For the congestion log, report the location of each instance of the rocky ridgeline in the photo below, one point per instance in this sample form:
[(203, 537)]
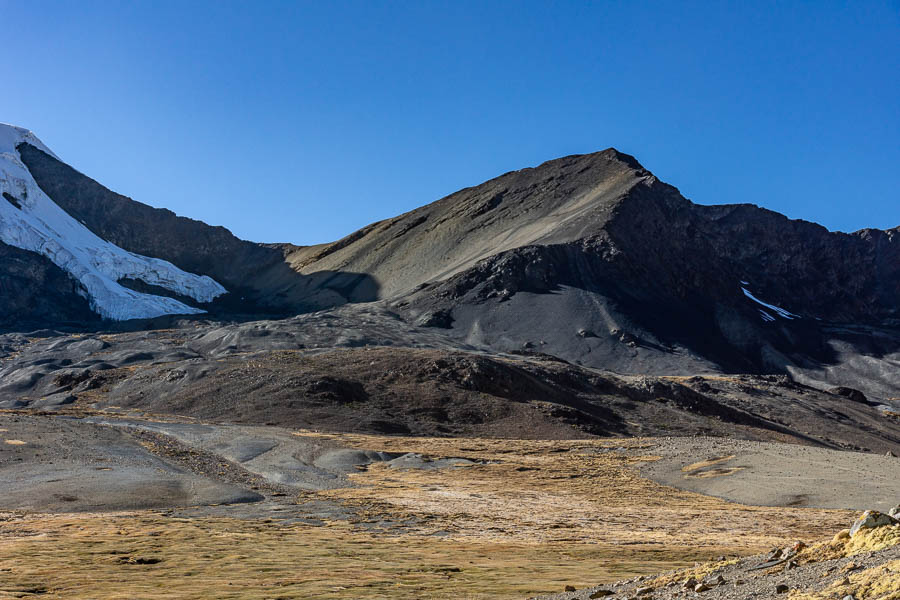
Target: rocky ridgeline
[(861, 562), (589, 258)]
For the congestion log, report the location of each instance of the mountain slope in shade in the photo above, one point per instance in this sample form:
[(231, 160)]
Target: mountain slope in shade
[(32, 221)]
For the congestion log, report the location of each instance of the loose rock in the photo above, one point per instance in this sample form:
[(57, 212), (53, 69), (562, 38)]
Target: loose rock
[(870, 520)]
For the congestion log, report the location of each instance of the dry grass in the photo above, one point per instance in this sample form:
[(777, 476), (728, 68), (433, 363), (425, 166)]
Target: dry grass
[(538, 515), (697, 573), (877, 583), (845, 546), (103, 556), (707, 463), (565, 491)]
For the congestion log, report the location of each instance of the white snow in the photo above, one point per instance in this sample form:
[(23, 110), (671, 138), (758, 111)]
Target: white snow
[(776, 309), (11, 136), (43, 227)]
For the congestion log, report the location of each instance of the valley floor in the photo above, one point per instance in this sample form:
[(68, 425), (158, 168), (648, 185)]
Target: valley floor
[(366, 516)]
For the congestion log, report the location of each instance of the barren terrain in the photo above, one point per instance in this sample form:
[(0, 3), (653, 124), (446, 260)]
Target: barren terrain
[(351, 515)]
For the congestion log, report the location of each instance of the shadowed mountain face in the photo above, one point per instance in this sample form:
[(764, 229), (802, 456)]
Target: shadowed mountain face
[(589, 258)]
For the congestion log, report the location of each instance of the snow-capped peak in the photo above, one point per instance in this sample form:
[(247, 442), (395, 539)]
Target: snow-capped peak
[(30, 220), (11, 136)]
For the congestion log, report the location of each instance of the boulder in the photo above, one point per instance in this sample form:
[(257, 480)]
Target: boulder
[(871, 519)]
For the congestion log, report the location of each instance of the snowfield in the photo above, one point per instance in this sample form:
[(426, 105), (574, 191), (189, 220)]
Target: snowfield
[(43, 227)]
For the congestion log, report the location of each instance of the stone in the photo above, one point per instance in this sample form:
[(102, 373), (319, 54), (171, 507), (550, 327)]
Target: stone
[(870, 520), (601, 594), (850, 394), (569, 588), (781, 588), (895, 512), (441, 319), (701, 587), (644, 591)]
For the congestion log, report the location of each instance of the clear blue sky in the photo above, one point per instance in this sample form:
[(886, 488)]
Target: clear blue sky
[(301, 122)]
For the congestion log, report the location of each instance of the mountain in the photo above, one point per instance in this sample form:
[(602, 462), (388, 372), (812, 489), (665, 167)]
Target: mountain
[(593, 259), (30, 220), (588, 258)]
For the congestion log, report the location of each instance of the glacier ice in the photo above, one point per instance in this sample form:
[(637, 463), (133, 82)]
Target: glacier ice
[(41, 226)]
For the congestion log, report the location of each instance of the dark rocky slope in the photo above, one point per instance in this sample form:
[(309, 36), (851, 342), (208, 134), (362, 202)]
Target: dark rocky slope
[(34, 292), (361, 369)]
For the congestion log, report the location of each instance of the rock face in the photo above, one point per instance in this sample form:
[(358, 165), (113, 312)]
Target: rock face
[(35, 292)]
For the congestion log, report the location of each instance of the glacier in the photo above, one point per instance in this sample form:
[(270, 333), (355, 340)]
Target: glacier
[(39, 225)]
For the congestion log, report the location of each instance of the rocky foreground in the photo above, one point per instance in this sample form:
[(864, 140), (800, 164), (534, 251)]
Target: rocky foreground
[(859, 563)]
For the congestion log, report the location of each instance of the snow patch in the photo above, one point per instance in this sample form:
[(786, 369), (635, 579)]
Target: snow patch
[(41, 226), (776, 309)]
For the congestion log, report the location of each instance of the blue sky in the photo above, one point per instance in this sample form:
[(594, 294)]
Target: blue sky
[(301, 122)]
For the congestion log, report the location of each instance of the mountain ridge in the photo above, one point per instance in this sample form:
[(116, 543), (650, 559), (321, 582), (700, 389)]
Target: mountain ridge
[(588, 257)]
